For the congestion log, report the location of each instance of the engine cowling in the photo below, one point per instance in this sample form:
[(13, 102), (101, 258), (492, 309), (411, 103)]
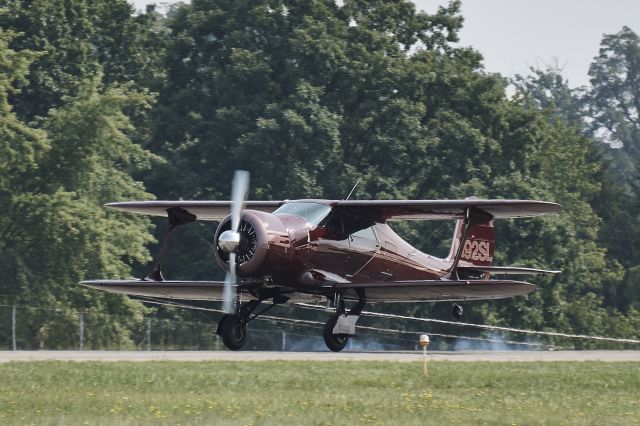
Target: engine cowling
[(263, 239)]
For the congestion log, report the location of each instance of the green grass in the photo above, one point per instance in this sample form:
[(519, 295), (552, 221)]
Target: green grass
[(279, 392)]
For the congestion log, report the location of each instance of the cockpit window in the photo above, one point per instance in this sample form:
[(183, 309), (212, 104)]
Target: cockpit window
[(366, 234), (314, 213), (343, 224)]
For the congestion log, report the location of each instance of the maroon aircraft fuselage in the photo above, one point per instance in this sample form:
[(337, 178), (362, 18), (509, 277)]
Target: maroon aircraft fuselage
[(338, 248)]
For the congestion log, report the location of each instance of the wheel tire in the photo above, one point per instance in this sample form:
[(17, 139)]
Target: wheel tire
[(458, 311), (221, 324), (335, 342), (234, 332)]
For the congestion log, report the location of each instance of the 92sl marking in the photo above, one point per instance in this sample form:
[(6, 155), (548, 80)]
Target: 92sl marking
[(477, 250)]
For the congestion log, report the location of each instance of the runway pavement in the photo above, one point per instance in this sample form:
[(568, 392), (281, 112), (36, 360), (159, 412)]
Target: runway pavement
[(111, 356)]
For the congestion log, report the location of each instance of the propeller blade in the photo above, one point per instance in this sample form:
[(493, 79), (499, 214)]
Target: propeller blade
[(228, 294), (239, 191)]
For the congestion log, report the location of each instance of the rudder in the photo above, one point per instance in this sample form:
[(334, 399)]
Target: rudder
[(478, 246)]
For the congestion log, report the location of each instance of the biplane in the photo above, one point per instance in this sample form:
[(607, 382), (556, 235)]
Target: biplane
[(339, 251)]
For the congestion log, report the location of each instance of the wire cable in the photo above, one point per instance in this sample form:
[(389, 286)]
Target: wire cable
[(487, 327)]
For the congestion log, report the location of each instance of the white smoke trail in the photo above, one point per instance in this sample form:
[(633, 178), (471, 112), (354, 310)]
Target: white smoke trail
[(317, 324), (320, 325), (487, 327)]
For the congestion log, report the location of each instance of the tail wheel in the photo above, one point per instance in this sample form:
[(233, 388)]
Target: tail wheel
[(335, 342), (233, 332), (457, 311)]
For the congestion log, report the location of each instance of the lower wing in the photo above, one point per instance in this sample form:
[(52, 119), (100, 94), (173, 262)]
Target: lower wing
[(183, 290), (506, 270), (434, 290), (387, 291), (212, 291)]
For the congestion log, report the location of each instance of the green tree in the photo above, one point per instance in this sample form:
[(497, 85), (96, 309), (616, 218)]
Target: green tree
[(78, 39), (548, 90), (311, 96), (299, 79), (614, 100), (614, 107), (55, 232), (605, 112)]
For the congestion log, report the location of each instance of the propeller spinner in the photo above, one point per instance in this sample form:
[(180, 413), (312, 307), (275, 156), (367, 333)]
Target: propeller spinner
[(229, 241)]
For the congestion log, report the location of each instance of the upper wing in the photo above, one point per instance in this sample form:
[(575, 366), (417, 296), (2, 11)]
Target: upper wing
[(434, 290), (378, 210), (203, 210), (381, 210)]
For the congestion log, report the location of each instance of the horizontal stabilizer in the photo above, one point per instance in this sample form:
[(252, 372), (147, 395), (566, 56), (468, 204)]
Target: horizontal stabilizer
[(506, 270)]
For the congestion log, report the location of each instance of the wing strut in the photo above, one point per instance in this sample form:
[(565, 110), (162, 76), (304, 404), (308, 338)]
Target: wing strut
[(177, 216), (472, 216)]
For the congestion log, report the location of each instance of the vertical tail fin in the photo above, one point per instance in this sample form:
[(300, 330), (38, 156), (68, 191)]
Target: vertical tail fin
[(478, 245)]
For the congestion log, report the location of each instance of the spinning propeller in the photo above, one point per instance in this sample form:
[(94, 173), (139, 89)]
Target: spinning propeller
[(229, 240)]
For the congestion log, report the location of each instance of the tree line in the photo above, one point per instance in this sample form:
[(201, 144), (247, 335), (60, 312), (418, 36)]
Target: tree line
[(100, 103)]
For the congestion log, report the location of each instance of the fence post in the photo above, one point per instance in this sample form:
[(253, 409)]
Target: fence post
[(284, 340), (148, 334), (13, 328), (81, 330)]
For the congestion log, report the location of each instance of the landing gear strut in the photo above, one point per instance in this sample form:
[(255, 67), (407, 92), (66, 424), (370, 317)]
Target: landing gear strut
[(335, 342), (334, 333), (233, 327), (233, 331), (457, 311)]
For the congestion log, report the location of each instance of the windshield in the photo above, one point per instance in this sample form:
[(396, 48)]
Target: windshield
[(314, 213)]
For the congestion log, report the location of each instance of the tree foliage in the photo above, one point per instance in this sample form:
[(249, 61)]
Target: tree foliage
[(614, 98), (309, 96), (548, 90), (53, 181), (605, 112), (76, 40)]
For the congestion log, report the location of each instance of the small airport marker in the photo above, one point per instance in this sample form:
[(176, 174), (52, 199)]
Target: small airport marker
[(424, 342)]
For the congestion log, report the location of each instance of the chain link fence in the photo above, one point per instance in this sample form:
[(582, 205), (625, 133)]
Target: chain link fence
[(31, 328), (37, 328)]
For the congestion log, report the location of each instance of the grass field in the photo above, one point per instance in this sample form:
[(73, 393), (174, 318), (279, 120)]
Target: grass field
[(279, 392)]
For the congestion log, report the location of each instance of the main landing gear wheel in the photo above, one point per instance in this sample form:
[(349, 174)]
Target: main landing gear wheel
[(457, 311), (335, 342), (233, 332)]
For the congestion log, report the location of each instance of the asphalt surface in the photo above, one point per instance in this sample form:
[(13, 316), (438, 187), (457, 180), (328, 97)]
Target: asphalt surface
[(112, 356)]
